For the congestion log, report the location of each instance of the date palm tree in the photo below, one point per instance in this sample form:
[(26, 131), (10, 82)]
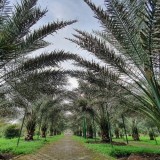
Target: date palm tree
[(18, 40), (25, 78), (129, 48), (100, 99)]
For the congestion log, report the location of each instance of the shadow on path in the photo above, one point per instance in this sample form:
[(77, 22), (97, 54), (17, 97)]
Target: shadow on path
[(64, 149)]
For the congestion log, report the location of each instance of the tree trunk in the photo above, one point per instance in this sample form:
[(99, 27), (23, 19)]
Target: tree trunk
[(117, 132), (51, 131), (99, 133), (30, 134), (135, 134), (105, 131), (44, 130), (55, 132), (80, 133), (43, 134), (30, 126), (105, 136), (151, 135), (90, 131)]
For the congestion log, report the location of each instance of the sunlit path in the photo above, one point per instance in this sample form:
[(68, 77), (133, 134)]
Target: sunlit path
[(65, 149)]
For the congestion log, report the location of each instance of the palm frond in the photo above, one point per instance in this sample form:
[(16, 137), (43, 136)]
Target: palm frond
[(115, 25), (95, 67), (33, 40), (45, 60), (5, 11), (98, 48)]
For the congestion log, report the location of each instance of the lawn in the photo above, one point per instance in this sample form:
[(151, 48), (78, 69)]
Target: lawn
[(9, 145), (143, 146)]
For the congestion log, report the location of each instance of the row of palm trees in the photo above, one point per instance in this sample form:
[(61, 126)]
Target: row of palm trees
[(27, 83), (129, 51), (128, 48)]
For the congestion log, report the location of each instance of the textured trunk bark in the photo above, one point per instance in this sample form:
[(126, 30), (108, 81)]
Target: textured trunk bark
[(105, 136), (30, 126), (29, 136), (135, 137), (105, 131)]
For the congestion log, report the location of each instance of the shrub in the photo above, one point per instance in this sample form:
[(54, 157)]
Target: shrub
[(12, 131)]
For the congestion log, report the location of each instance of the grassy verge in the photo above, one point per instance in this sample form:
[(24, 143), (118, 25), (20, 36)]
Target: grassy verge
[(9, 145), (116, 151)]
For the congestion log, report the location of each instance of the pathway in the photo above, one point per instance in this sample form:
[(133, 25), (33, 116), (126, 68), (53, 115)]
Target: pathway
[(64, 149)]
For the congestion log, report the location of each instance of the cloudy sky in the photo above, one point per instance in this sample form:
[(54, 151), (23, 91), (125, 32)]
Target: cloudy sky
[(67, 10)]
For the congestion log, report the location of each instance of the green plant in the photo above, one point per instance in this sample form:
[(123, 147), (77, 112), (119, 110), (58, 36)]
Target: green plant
[(9, 145), (129, 47), (12, 131), (27, 79), (138, 147)]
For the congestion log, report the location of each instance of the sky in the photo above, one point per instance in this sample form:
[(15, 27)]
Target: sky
[(67, 10)]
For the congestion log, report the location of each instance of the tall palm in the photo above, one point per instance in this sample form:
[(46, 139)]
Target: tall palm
[(18, 40), (101, 99), (37, 114), (27, 78), (129, 46)]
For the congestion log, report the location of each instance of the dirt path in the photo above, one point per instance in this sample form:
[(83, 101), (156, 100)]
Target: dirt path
[(65, 149)]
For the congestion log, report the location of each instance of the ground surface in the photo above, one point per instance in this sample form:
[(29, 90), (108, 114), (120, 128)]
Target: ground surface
[(64, 149)]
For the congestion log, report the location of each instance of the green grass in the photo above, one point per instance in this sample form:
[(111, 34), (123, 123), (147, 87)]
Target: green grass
[(9, 145), (144, 146)]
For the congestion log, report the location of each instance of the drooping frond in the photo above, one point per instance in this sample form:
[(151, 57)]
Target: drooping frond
[(41, 83), (30, 13), (122, 25), (45, 60), (34, 40), (98, 48), (17, 39), (95, 67), (5, 11)]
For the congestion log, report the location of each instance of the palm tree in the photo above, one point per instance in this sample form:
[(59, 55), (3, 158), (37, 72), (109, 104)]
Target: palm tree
[(18, 40), (129, 48), (100, 99), (50, 115), (38, 114), (25, 78)]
